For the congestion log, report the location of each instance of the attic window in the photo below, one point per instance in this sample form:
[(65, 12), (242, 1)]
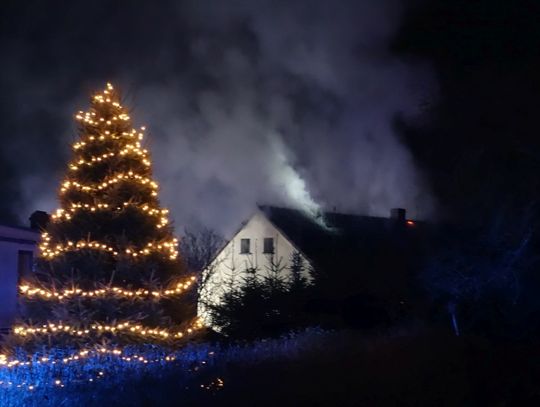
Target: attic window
[(244, 246), (268, 245)]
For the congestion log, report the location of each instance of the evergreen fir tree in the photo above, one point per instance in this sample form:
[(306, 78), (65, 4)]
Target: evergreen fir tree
[(109, 269)]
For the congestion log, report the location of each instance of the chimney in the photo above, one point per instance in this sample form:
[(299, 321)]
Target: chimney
[(39, 220), (397, 214)]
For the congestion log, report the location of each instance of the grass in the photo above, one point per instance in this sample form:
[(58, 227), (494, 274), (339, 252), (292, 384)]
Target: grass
[(65, 377), (313, 367)]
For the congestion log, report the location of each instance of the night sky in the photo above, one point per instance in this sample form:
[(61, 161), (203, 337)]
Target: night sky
[(359, 106)]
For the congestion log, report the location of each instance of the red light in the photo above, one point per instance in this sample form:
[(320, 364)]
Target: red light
[(410, 223)]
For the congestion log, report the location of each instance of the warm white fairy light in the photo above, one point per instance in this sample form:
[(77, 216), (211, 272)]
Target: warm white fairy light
[(49, 250), (127, 327), (79, 357), (84, 354), (68, 213), (33, 292), (128, 149), (121, 177), (106, 137)]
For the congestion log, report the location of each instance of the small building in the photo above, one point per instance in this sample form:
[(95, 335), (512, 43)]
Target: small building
[(357, 256), (18, 246)]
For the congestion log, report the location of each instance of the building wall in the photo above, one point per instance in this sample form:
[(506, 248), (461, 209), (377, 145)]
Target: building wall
[(230, 267), (12, 241)]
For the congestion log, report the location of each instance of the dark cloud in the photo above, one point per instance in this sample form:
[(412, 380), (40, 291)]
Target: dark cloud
[(480, 146), (245, 101)]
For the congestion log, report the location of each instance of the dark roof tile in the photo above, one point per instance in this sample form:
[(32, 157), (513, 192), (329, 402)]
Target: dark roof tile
[(336, 238)]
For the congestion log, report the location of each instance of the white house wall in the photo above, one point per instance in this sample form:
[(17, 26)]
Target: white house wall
[(12, 240), (228, 270)]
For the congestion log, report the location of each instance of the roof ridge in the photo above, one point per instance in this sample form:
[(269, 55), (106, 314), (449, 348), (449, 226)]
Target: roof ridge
[(323, 213)]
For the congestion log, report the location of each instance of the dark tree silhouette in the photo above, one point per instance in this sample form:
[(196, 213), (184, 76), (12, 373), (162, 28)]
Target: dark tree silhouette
[(198, 247), (477, 278), (268, 302)]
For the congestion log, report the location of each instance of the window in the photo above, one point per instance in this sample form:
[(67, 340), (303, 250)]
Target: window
[(244, 246), (24, 264), (268, 245)]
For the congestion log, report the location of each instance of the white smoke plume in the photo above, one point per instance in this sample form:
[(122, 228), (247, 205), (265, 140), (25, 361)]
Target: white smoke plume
[(280, 102), (301, 114)]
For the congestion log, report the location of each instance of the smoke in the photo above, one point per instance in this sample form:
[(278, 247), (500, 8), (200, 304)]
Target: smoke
[(284, 178), (287, 103), (300, 115)]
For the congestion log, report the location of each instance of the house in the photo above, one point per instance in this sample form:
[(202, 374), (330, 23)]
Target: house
[(357, 257), (18, 247)]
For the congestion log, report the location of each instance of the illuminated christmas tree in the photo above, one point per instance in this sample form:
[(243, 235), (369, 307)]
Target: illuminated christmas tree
[(109, 269)]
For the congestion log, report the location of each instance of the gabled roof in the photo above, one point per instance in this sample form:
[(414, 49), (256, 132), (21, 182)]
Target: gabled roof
[(336, 238), (354, 253), (17, 234)]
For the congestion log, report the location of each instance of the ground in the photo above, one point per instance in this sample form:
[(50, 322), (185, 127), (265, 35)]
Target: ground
[(314, 367)]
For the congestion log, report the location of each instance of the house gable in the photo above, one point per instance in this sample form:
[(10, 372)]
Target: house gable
[(230, 267), (353, 254)]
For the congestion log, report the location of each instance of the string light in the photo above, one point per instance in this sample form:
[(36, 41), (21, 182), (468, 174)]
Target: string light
[(85, 354), (108, 135), (129, 176), (82, 356), (75, 207), (216, 384), (128, 149), (33, 292), (129, 357), (53, 251), (126, 327)]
